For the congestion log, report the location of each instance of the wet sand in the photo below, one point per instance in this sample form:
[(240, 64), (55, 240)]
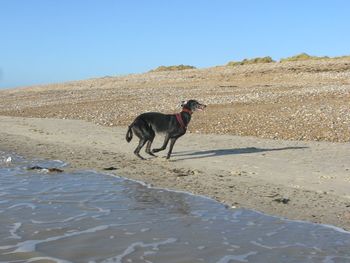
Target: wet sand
[(95, 217), (293, 179)]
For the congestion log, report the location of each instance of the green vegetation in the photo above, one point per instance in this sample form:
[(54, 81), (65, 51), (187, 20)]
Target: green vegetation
[(301, 57), (258, 60), (173, 68), (251, 61), (347, 57)]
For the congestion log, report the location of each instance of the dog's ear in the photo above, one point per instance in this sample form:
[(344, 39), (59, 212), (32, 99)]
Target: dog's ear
[(183, 103)]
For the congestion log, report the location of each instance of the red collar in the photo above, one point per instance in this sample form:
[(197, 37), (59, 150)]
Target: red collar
[(187, 110), (180, 120)]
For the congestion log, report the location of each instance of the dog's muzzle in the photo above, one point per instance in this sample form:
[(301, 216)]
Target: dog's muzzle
[(201, 106)]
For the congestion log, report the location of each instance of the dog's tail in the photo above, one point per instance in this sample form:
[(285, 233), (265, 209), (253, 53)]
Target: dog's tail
[(128, 136)]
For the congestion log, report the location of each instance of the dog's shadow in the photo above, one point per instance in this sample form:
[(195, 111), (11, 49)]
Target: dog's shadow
[(220, 152)]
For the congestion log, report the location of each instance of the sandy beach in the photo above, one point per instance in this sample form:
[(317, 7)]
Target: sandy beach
[(293, 179), (274, 137)]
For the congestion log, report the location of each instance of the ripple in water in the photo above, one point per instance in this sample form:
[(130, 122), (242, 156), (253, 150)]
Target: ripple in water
[(92, 217)]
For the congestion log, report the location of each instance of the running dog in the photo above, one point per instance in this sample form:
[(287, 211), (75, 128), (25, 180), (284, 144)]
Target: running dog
[(146, 125)]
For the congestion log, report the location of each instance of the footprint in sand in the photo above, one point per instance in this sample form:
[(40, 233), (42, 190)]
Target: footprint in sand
[(239, 173), (184, 172), (327, 177)]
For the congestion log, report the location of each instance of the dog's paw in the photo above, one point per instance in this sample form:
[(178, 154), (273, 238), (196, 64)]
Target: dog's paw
[(150, 153), (139, 156)]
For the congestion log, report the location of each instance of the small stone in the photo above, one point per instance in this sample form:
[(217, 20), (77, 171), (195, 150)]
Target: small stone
[(282, 200)]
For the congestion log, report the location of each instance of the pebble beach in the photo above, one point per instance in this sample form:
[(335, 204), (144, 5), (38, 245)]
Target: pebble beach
[(300, 100)]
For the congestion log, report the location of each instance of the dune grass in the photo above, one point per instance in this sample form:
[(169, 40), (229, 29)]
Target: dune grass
[(172, 68), (251, 61), (341, 57), (257, 60), (268, 59), (302, 57)]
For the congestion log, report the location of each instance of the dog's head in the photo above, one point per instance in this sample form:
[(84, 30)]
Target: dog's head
[(192, 105)]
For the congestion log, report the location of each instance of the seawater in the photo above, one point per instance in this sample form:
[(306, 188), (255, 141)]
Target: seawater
[(85, 216)]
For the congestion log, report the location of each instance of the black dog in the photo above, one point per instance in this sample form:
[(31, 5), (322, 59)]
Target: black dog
[(146, 125)]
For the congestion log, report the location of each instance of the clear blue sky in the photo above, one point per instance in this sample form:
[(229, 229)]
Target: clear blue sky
[(46, 41)]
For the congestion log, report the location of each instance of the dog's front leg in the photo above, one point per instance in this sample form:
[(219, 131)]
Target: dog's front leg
[(166, 140), (172, 142)]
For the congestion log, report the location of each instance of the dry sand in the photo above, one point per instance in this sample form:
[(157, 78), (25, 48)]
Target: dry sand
[(312, 177)]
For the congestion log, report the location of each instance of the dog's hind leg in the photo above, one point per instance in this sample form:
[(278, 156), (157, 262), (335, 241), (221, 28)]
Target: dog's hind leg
[(141, 130), (148, 149), (149, 142), (166, 140), (139, 147)]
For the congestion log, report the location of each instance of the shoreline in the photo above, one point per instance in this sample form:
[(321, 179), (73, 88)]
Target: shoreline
[(244, 172)]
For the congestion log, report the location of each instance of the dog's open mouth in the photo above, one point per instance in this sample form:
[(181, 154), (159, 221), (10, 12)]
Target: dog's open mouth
[(201, 106)]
